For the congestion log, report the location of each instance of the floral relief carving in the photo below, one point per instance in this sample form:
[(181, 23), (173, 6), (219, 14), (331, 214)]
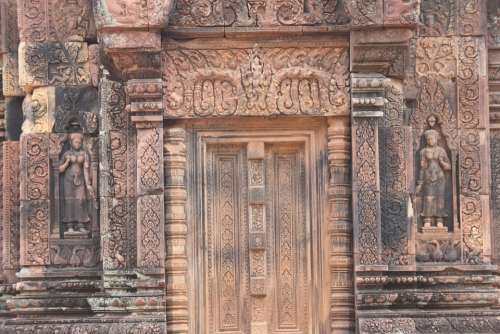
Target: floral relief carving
[(262, 81)]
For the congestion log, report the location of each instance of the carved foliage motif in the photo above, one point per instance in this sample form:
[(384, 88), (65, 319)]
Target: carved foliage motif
[(265, 81), (150, 216), (150, 160), (225, 271), (54, 64), (40, 22), (367, 179), (434, 100), (471, 324), (10, 197), (287, 228), (213, 13), (436, 56)]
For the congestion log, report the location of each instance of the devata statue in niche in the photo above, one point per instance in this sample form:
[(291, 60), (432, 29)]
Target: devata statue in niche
[(77, 190), (434, 162), (434, 184)]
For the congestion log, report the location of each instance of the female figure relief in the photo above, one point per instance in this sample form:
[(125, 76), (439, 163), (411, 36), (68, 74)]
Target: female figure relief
[(77, 188), (431, 185)]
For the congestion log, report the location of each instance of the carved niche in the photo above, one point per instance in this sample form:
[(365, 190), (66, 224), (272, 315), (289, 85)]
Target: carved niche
[(256, 81)]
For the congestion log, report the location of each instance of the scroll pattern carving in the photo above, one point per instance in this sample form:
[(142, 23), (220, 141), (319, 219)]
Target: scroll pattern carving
[(35, 218), (474, 213), (35, 167), (218, 13), (266, 81), (40, 22)]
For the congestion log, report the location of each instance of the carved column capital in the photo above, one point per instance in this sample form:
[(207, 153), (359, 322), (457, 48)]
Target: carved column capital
[(145, 102)]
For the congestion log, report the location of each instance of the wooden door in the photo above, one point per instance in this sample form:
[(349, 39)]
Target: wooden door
[(255, 247)]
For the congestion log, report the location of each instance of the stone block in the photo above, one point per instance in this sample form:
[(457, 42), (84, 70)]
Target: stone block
[(42, 64), (76, 109), (39, 111), (55, 20), (35, 220), (35, 167), (9, 35), (10, 205), (10, 75)]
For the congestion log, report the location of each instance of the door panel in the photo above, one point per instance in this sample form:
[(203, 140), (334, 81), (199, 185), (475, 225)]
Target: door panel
[(256, 238), (225, 238)]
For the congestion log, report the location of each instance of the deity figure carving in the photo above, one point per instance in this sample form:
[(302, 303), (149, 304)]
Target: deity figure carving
[(77, 190), (431, 184)]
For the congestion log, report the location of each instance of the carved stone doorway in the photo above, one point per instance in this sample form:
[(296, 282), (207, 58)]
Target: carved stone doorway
[(255, 198)]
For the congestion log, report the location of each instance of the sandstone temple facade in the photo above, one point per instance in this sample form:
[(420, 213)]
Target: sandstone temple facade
[(250, 166)]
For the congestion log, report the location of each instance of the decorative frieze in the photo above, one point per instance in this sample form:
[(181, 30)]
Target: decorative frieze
[(258, 81)]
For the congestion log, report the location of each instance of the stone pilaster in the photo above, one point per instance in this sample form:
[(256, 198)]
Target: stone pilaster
[(340, 226), (176, 229)]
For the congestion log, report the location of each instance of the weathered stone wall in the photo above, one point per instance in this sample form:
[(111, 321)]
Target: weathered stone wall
[(152, 154)]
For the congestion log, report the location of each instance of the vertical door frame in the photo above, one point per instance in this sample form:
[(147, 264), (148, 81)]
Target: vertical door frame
[(313, 132)]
